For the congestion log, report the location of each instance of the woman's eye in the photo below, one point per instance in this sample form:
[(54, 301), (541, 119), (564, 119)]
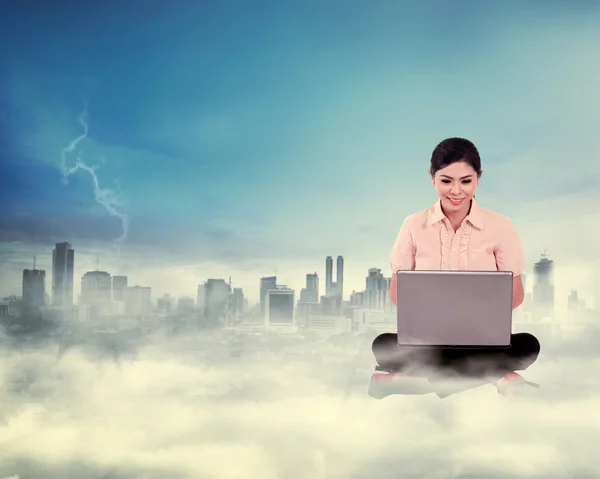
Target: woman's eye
[(445, 181), (466, 182)]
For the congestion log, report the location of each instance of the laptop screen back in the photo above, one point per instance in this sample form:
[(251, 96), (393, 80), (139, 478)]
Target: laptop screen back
[(454, 308)]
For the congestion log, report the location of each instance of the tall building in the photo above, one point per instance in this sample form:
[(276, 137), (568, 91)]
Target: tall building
[(308, 304), (340, 276), (34, 288), (237, 302), (138, 300), (201, 298), (310, 294), (96, 294), (216, 300), (63, 263), (543, 286), (119, 286), (328, 275), (267, 283), (166, 303), (376, 294), (312, 282), (96, 288), (337, 288), (280, 307)]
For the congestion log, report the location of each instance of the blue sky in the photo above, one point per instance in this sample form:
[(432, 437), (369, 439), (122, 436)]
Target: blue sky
[(248, 137)]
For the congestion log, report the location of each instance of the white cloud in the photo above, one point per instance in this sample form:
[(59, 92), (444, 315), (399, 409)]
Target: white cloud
[(283, 418)]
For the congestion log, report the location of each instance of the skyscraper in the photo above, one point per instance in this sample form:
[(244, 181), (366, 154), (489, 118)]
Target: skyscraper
[(34, 288), (63, 263), (310, 294), (543, 286), (337, 288), (308, 302), (328, 275), (119, 286), (237, 302), (201, 298), (138, 300), (96, 293), (340, 276), (96, 288), (280, 306), (267, 283), (376, 294), (216, 304)]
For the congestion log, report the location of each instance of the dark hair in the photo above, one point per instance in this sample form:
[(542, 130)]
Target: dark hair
[(453, 150)]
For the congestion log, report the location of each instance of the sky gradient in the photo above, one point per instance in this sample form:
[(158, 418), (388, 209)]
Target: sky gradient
[(239, 140)]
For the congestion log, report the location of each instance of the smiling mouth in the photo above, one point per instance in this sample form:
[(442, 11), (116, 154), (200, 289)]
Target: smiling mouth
[(455, 201)]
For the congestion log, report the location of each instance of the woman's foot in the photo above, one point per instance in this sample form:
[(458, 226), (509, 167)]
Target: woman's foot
[(513, 384)]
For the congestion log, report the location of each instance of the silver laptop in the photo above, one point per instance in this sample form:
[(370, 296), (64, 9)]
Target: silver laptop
[(463, 309)]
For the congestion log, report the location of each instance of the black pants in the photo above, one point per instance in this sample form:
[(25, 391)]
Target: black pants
[(471, 362)]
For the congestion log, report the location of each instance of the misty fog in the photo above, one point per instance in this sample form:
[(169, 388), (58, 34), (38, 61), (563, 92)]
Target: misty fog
[(229, 404)]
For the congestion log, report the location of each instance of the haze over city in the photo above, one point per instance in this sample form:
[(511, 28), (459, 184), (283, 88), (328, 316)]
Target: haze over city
[(199, 151)]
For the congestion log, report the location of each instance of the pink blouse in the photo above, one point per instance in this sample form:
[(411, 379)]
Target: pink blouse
[(485, 241)]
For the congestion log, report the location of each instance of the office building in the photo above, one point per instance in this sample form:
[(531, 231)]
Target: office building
[(96, 288), (63, 263), (376, 294), (543, 287), (34, 288), (267, 283), (334, 288), (216, 306), (138, 300), (310, 294), (119, 286), (238, 302), (165, 304), (340, 277), (96, 294), (279, 307), (201, 298)]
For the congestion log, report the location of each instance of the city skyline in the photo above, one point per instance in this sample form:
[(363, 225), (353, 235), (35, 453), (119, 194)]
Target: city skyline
[(541, 290)]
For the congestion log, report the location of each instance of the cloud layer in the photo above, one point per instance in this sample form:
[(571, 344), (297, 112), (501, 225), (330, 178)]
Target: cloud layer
[(185, 409)]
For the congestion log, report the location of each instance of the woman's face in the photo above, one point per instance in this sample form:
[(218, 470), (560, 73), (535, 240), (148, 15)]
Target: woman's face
[(456, 185)]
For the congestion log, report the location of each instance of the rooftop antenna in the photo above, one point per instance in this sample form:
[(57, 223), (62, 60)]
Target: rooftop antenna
[(34, 262)]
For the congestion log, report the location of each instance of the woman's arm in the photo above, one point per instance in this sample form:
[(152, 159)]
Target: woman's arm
[(403, 255), (518, 292), (509, 257)]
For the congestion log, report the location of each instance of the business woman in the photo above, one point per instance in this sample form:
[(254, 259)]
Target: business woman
[(456, 233)]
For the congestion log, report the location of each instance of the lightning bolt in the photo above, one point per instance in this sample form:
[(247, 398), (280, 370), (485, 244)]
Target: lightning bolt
[(107, 198)]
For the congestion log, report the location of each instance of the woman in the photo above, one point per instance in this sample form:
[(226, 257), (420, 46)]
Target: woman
[(456, 233)]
